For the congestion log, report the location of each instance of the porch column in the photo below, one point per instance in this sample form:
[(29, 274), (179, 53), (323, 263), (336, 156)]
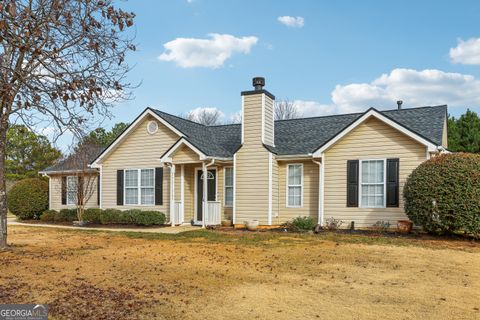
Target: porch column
[(205, 193), (172, 195), (321, 196), (182, 193)]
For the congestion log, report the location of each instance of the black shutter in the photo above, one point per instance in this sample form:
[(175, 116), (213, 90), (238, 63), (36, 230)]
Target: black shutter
[(119, 187), (64, 190), (393, 167), (158, 186), (352, 183), (98, 190)]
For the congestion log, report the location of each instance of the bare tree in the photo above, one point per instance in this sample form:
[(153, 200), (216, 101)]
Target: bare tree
[(86, 177), (285, 109), (206, 116), (62, 65)]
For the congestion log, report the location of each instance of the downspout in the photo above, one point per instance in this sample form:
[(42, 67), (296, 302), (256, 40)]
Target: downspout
[(205, 190), (320, 189)]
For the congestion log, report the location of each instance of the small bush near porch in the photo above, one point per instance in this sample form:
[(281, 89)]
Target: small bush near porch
[(240, 275)]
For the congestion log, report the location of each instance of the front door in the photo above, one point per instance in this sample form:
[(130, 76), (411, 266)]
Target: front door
[(212, 191)]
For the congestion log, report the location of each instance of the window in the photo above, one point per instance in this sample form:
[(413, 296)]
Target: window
[(294, 185), (72, 182), (229, 187), (372, 184), (140, 186), (152, 127)]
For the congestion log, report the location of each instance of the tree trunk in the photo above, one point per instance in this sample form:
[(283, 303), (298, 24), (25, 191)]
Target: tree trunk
[(3, 188)]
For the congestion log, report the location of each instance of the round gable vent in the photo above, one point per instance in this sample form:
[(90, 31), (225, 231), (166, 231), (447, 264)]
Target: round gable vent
[(152, 127)]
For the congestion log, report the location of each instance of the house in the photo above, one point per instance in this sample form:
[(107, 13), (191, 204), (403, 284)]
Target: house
[(351, 167)]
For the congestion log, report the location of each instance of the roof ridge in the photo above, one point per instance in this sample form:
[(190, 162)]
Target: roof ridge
[(357, 113), (180, 118), (224, 125)]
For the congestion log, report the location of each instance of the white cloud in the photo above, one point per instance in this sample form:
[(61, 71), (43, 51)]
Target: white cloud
[(207, 53), (295, 22), (314, 108), (415, 88), (466, 52)]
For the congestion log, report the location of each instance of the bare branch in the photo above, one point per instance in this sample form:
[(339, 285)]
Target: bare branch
[(285, 109)]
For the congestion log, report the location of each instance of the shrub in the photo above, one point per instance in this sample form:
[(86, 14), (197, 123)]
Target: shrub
[(48, 215), (28, 198), (92, 215), (299, 224), (381, 226), (147, 218), (443, 194), (66, 215), (111, 216), (333, 224)]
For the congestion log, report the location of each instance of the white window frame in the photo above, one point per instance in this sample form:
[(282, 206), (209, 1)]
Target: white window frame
[(225, 187), (69, 203), (300, 185), (360, 184), (139, 188)]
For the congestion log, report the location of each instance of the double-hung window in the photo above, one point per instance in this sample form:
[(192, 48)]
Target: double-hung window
[(294, 185), (228, 187), (372, 184), (139, 186), (72, 183)]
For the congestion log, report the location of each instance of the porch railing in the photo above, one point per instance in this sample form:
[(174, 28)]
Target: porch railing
[(177, 217), (213, 216)]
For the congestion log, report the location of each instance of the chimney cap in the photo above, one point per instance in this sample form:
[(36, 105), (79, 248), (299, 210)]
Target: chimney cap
[(399, 104), (258, 83)]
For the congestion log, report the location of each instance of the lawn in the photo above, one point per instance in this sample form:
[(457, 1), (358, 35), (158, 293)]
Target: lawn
[(208, 274)]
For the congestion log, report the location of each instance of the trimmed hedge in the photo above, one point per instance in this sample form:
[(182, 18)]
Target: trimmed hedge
[(48, 215), (28, 198), (108, 216), (66, 215), (133, 216), (443, 194)]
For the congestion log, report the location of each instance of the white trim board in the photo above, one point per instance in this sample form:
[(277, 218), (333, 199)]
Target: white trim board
[(374, 113), (167, 157), (134, 125)]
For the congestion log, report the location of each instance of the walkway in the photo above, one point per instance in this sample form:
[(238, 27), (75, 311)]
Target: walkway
[(167, 230)]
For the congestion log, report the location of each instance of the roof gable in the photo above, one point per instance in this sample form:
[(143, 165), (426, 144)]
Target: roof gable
[(131, 128), (382, 117)]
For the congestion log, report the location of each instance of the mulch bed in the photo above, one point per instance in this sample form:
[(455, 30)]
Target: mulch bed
[(93, 225)]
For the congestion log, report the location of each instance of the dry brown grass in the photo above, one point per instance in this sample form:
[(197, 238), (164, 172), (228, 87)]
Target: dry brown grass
[(210, 275)]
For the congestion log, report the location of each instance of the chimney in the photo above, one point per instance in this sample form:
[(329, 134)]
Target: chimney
[(258, 83), (399, 104), (257, 114)]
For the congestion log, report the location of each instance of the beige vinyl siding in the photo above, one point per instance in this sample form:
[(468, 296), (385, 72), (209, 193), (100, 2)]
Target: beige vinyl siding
[(56, 194), (137, 151), (372, 139), (310, 192), (251, 192), (188, 185), (185, 155), (269, 124)]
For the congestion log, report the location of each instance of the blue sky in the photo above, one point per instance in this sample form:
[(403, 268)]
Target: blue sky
[(331, 60)]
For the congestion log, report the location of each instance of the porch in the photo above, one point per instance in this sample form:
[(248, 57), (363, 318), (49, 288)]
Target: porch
[(195, 199)]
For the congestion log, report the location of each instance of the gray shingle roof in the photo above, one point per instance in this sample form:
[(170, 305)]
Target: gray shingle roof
[(72, 162), (305, 135), (295, 136)]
